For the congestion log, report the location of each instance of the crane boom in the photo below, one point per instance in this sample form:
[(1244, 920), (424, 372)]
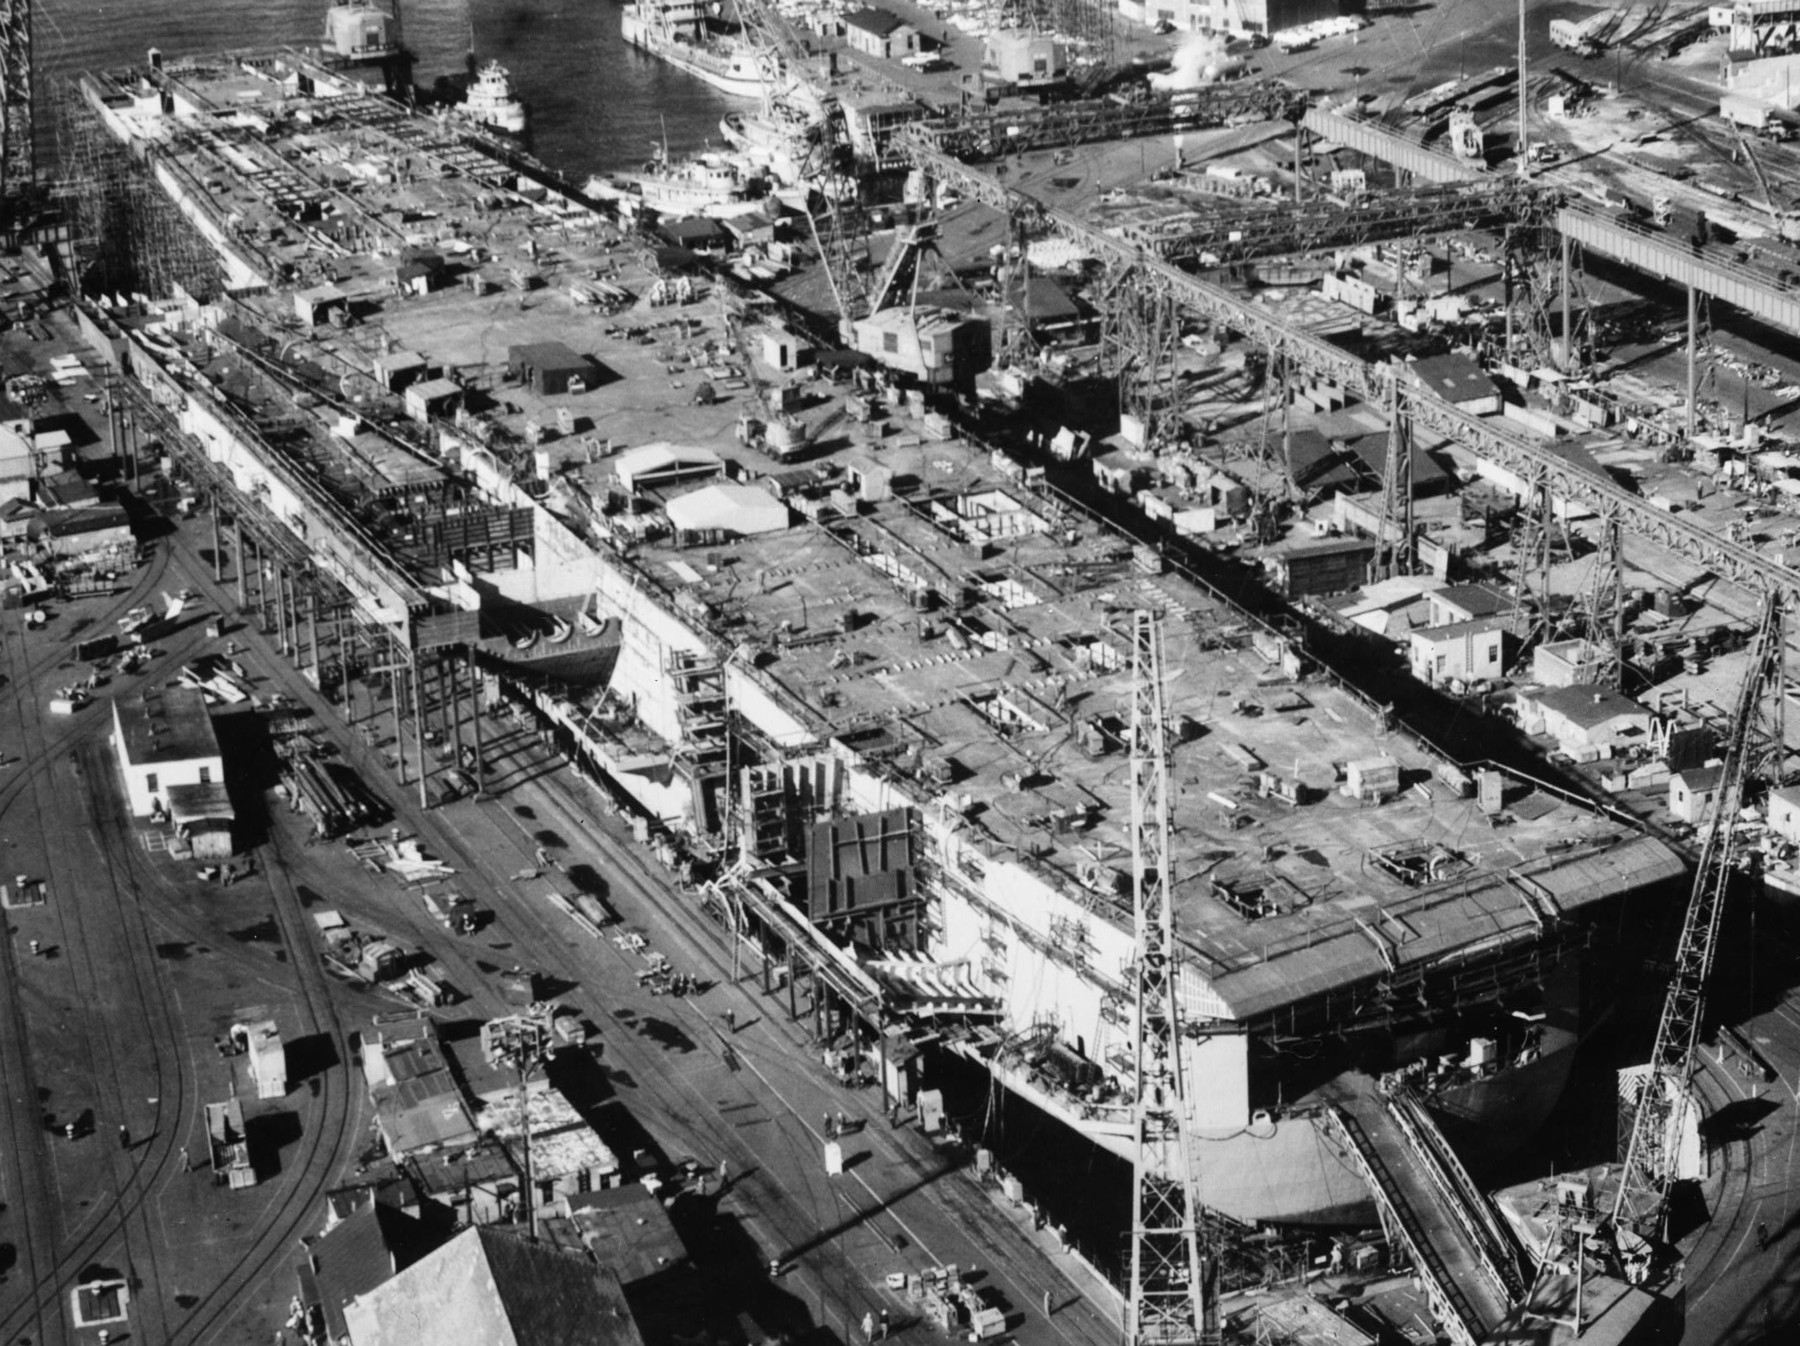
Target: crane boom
[(1756, 731), (1168, 1304)]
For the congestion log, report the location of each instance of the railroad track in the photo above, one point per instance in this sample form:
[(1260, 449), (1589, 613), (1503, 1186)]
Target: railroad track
[(122, 1221)]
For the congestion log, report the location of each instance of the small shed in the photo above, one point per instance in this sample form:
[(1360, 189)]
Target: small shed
[(1372, 779), (1050, 313), (1326, 567), (1466, 602), (229, 1144), (203, 816), (398, 368), (419, 273), (751, 229), (880, 33), (433, 397), (313, 306), (782, 349), (1566, 663), (1120, 472), (261, 1042), (1022, 56), (1692, 792), (550, 368), (1784, 813), (1467, 651), (697, 235)]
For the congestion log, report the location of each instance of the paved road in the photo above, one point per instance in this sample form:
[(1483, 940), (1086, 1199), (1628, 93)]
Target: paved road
[(902, 1205)]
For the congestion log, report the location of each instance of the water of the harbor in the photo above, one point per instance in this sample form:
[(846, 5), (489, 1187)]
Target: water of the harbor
[(595, 104)]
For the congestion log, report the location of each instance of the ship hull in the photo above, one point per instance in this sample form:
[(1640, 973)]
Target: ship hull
[(1292, 1171), (505, 124)]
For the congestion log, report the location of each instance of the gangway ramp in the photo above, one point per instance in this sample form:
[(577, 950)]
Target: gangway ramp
[(1462, 1254)]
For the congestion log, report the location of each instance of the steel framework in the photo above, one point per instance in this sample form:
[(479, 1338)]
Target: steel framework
[(980, 133), (1140, 332), (1169, 1303), (1754, 755), (1313, 357), (18, 157), (1232, 231), (1603, 615), (1394, 535), (1534, 551)]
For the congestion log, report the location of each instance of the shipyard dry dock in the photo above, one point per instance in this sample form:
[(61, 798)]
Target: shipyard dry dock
[(874, 688)]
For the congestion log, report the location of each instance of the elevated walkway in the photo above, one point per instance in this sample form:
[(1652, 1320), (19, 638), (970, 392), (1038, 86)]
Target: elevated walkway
[(1462, 1253)]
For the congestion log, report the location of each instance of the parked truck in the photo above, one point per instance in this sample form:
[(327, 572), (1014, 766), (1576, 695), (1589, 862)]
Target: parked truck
[(1576, 35), (1753, 114)]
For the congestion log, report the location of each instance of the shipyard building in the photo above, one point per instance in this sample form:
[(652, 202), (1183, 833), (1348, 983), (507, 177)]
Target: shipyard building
[(875, 705)]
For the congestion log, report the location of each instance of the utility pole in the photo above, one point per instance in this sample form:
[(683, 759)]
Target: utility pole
[(520, 1040), (1170, 1303)]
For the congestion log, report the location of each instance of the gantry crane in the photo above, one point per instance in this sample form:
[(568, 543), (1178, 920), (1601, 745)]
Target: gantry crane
[(1170, 1304), (1755, 753)]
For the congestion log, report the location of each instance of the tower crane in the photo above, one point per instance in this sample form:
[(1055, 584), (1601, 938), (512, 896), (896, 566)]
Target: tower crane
[(1170, 1304), (1755, 752)]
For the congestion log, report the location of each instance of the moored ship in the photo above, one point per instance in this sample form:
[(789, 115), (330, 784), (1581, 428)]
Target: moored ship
[(683, 33), (777, 145), (688, 186)]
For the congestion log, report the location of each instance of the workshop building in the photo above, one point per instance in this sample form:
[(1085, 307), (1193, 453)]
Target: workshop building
[(1692, 793), (1327, 567), (880, 33), (170, 761), (354, 1254), (419, 273), (1466, 602), (499, 1288), (1021, 56), (314, 306), (261, 1042), (549, 368), (432, 398), (1587, 721), (398, 368), (1464, 651)]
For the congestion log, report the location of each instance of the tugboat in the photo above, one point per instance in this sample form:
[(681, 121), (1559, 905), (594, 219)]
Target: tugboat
[(492, 102)]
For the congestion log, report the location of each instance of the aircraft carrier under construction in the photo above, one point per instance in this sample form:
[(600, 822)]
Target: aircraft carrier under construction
[(863, 679)]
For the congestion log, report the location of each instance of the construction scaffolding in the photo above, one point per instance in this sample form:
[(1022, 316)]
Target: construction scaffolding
[(1139, 343), (124, 236)]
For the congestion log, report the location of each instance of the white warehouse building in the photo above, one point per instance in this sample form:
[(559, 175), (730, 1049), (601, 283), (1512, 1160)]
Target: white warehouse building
[(170, 761)]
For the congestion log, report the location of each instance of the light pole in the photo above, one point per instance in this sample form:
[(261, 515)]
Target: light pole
[(1524, 102), (521, 1040)]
